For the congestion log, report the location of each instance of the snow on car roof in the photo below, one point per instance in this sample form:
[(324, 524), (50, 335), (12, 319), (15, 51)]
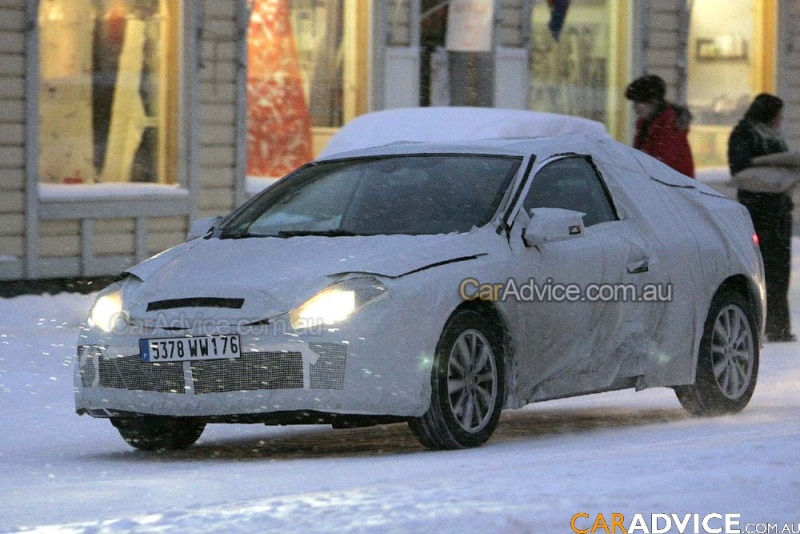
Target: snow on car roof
[(447, 124)]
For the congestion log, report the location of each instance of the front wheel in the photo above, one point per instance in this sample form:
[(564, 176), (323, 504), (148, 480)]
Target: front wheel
[(727, 365), (467, 385), (157, 433)]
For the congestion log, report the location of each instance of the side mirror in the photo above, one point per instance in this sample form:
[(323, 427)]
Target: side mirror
[(201, 227), (549, 225)]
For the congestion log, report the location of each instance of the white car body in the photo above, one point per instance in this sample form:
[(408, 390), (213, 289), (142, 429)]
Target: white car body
[(668, 230)]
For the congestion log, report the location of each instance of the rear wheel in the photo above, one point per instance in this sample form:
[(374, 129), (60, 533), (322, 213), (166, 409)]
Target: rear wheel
[(155, 433), (727, 365), (467, 385)]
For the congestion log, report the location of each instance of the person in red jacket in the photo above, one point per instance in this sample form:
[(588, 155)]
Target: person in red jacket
[(662, 128)]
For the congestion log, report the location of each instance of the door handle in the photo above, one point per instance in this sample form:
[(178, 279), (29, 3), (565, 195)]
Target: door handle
[(639, 267)]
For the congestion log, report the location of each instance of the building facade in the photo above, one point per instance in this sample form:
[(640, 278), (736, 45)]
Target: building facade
[(123, 120)]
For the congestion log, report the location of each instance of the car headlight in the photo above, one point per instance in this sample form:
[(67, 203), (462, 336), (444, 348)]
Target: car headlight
[(336, 302), (107, 309)]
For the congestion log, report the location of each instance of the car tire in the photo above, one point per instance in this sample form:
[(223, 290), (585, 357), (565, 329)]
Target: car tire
[(727, 364), (467, 383), (158, 433)]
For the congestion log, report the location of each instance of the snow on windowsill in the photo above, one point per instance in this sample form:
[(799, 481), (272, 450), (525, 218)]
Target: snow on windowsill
[(109, 191)]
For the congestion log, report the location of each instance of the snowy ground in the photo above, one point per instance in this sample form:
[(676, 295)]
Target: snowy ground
[(624, 452)]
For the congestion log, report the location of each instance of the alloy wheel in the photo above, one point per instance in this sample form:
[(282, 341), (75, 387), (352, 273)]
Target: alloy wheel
[(472, 380), (732, 350)]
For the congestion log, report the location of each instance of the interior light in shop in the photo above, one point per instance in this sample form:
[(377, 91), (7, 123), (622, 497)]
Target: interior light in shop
[(54, 12)]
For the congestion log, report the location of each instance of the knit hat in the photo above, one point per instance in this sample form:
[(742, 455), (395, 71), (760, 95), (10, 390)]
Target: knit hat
[(764, 108), (646, 88)]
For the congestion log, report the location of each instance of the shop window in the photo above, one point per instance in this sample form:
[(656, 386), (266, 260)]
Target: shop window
[(305, 78), (575, 71), (109, 91), (728, 64), (456, 67), (399, 30)]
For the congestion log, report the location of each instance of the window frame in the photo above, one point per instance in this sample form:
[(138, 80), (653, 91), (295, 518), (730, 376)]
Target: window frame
[(169, 151), (65, 202), (141, 201), (606, 194)]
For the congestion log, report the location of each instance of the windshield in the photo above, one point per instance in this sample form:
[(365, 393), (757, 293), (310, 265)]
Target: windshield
[(420, 194)]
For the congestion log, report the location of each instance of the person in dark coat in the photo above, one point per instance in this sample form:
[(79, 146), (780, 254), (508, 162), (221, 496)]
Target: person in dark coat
[(758, 134), (662, 128)]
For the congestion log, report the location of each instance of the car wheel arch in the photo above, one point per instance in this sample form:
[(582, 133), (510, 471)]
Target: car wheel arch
[(748, 289), (468, 381), (496, 317), (727, 359), (744, 286)]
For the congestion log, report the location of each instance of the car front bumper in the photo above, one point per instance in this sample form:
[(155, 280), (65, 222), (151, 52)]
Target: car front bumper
[(336, 371)]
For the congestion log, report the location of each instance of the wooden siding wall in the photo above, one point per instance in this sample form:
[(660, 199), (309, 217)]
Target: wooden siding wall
[(789, 74), (789, 84), (111, 237), (13, 22), (218, 115), (663, 52)]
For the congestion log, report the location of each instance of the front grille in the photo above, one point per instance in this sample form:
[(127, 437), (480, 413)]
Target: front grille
[(86, 362), (328, 372), (251, 371), (129, 372)]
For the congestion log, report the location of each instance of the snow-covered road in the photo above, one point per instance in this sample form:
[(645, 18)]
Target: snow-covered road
[(625, 453)]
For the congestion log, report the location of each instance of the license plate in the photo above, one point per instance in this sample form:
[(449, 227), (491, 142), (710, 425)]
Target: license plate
[(172, 349)]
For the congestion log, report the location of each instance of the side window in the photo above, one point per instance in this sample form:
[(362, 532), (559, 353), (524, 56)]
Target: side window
[(571, 184)]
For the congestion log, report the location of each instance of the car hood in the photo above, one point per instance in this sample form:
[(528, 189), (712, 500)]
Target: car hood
[(258, 278)]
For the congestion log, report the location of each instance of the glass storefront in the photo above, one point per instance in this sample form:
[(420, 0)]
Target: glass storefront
[(279, 120), (728, 63), (303, 78), (579, 72), (109, 91)]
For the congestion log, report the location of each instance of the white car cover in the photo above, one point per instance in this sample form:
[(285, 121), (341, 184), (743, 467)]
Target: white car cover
[(448, 124)]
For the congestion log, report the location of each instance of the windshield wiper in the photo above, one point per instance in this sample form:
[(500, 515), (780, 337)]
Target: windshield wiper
[(293, 233), (323, 233), (242, 235)]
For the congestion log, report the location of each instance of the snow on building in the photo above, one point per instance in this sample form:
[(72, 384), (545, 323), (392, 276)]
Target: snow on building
[(123, 120)]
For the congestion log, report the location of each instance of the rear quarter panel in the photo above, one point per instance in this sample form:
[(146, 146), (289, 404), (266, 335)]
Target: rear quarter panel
[(700, 239)]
